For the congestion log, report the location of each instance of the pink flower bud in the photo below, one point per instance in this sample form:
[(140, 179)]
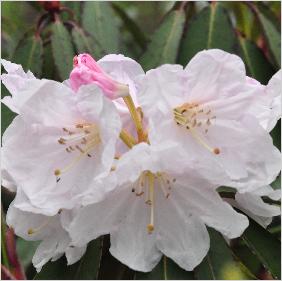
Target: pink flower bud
[(87, 71)]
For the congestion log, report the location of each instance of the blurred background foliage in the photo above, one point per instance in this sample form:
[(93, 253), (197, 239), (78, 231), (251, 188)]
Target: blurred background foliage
[(44, 37)]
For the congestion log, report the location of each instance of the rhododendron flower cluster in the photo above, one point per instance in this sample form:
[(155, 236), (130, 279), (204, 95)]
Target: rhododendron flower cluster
[(139, 156)]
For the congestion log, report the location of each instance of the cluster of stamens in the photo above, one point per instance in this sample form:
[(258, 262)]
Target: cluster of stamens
[(145, 185), (83, 138), (196, 120)]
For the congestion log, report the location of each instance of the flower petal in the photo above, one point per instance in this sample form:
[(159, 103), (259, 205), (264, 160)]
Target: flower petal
[(130, 242), (181, 237)]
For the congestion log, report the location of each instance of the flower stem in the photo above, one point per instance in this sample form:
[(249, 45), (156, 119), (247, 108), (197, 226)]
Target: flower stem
[(127, 138), (135, 117)]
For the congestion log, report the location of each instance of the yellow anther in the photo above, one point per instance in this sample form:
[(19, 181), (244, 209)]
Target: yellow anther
[(57, 172), (30, 231), (150, 228)]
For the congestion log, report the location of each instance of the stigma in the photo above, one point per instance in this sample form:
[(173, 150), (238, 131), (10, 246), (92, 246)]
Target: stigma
[(196, 120), (79, 141)]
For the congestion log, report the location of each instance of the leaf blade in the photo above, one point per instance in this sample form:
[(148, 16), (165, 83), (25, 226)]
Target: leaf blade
[(205, 32), (62, 49), (100, 22), (219, 262), (266, 247), (162, 48)]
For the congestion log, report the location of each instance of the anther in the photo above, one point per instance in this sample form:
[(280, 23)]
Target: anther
[(61, 141), (216, 151), (30, 231), (57, 172), (139, 194), (150, 228), (133, 190)]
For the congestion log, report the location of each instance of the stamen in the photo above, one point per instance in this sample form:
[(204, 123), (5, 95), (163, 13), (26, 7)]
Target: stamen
[(150, 226), (195, 135), (31, 231)]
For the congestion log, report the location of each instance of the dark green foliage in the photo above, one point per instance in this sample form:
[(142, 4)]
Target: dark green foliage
[(165, 41), (205, 31), (29, 54), (220, 264)]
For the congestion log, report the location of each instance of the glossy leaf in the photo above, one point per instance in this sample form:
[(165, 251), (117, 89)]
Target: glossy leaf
[(85, 44), (85, 269), (219, 262), (165, 41), (271, 33), (166, 270), (211, 28), (265, 246), (62, 49), (256, 63), (29, 54), (7, 115), (100, 22)]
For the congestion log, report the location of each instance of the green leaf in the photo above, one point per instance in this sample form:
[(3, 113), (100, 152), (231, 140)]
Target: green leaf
[(277, 183), (26, 250), (276, 135), (85, 269), (271, 33), (29, 54), (131, 26), (165, 41), (219, 264), (166, 270), (110, 267), (62, 49), (209, 29), (7, 115), (85, 44), (49, 69), (265, 246), (247, 257), (257, 65), (100, 22)]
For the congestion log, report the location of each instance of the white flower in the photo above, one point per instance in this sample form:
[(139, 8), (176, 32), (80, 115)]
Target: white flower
[(60, 143), (266, 106), (16, 80), (253, 205), (205, 108), (55, 240), (158, 207)]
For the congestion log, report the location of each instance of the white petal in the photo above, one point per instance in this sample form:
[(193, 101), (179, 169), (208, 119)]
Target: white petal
[(182, 238), (124, 70), (273, 91), (73, 254), (263, 221), (205, 203), (214, 74), (130, 242), (268, 191), (255, 204), (15, 80), (98, 219), (51, 248), (161, 90)]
